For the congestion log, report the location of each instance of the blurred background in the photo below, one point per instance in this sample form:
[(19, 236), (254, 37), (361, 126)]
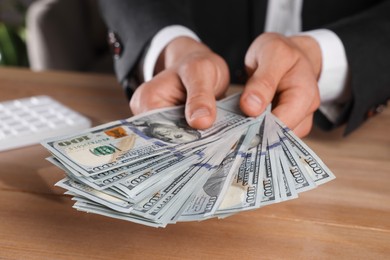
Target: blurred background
[(53, 35), (13, 51)]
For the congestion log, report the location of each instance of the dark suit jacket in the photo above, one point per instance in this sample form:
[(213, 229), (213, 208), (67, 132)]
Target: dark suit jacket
[(229, 26)]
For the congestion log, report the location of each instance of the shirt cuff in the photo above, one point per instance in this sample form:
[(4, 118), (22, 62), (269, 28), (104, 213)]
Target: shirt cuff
[(157, 45), (332, 83)]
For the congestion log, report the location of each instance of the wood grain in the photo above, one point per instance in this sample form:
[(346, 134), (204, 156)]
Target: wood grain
[(348, 218)]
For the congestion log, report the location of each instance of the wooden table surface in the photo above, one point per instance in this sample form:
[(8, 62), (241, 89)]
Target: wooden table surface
[(348, 218)]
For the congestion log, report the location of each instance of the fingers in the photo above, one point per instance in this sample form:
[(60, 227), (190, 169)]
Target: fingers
[(203, 75), (297, 96), (163, 90), (258, 92), (196, 81), (304, 127), (267, 61), (280, 72), (204, 78)]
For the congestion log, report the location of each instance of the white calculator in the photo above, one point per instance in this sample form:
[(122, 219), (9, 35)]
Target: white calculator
[(28, 121)]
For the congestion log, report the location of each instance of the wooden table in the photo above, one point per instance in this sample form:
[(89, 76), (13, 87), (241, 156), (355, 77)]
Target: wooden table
[(348, 218)]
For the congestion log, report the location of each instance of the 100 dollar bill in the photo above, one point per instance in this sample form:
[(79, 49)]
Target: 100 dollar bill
[(127, 141)]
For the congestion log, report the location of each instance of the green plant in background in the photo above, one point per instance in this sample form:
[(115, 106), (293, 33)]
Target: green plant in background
[(13, 50)]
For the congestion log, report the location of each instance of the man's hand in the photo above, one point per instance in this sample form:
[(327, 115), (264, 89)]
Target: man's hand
[(283, 70), (189, 73)]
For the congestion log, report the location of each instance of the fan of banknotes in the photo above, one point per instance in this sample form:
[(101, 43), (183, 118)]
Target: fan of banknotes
[(155, 170)]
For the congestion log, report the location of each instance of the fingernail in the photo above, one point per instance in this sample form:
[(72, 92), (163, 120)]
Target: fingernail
[(200, 112), (254, 101)]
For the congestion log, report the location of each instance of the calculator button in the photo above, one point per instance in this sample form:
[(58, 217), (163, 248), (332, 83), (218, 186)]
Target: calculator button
[(30, 120)]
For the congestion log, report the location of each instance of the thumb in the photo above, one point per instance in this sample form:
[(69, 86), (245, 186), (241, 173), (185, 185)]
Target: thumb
[(204, 78)]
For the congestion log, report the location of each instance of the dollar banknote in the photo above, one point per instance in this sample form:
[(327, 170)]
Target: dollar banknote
[(155, 170), (123, 142)]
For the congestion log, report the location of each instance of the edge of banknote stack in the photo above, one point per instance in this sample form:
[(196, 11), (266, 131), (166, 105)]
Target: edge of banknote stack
[(155, 170)]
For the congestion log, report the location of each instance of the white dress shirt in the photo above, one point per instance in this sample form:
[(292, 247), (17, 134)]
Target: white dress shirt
[(283, 16)]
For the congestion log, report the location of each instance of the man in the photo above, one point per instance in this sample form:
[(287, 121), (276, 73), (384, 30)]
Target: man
[(278, 68)]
